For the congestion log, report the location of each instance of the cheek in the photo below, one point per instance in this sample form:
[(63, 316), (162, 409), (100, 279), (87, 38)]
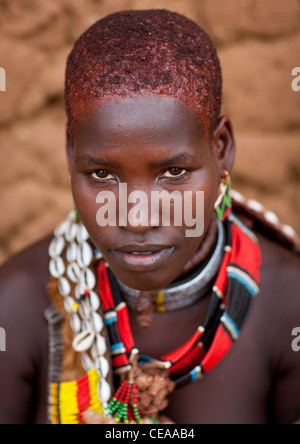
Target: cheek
[(85, 200), (208, 183)]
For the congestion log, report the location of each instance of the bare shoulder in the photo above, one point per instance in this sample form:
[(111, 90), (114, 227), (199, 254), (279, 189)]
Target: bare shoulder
[(23, 296), (280, 276), (26, 273), (24, 363), (279, 316), (280, 283)]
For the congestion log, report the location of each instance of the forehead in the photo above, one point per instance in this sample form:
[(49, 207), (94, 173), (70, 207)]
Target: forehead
[(152, 116)]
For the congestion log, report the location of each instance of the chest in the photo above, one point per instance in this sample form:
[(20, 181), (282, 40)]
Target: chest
[(235, 391)]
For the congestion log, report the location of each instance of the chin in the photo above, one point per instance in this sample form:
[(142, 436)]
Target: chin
[(151, 281)]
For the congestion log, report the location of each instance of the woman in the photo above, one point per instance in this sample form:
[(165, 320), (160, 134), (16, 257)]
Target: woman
[(141, 318)]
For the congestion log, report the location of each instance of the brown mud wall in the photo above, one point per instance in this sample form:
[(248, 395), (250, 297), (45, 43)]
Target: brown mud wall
[(259, 45)]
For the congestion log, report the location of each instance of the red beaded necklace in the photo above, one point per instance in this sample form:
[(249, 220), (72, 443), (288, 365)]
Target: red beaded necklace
[(236, 285)]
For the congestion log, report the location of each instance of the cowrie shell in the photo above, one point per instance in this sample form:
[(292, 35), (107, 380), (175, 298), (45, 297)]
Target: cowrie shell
[(57, 267), (78, 291), (72, 252), (73, 271), (85, 310), (97, 322), (102, 367), (87, 363), (70, 305), (99, 348), (75, 323), (62, 228), (94, 301), (64, 287), (83, 341), (71, 232), (71, 216), (104, 391), (82, 234), (56, 247), (87, 279), (85, 255)]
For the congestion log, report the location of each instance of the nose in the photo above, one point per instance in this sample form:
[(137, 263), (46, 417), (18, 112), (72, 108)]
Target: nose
[(135, 212)]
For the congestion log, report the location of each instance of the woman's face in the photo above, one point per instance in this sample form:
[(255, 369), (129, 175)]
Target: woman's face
[(149, 144)]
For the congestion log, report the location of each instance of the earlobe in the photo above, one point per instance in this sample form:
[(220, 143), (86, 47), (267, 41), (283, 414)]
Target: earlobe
[(70, 150), (224, 144)]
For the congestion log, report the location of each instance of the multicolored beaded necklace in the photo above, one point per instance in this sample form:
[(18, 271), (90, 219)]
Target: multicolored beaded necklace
[(237, 283)]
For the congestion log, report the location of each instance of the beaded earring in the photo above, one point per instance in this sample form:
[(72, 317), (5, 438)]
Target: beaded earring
[(223, 203), (76, 214)]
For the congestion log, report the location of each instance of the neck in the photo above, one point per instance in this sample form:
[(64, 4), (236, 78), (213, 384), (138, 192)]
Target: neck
[(189, 288), (203, 251)]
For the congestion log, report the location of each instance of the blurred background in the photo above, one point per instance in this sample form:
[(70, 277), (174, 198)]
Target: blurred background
[(258, 43)]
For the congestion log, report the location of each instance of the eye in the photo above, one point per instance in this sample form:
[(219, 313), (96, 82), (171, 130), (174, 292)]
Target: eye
[(175, 172), (101, 175)]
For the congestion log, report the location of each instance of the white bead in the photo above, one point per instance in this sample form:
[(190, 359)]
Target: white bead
[(289, 231), (271, 217), (255, 206), (64, 287), (98, 256), (83, 341), (102, 366), (85, 255), (238, 196), (73, 271), (57, 267), (87, 279), (56, 247), (104, 391), (72, 252), (82, 234)]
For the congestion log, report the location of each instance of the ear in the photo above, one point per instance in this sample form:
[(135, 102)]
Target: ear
[(70, 151), (224, 144)]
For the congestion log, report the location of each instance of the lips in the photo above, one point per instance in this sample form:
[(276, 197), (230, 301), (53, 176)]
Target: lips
[(142, 257)]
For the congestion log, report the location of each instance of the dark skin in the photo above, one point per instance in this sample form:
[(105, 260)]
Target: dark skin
[(259, 380)]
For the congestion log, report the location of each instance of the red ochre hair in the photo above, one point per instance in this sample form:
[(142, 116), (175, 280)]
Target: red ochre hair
[(154, 52)]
